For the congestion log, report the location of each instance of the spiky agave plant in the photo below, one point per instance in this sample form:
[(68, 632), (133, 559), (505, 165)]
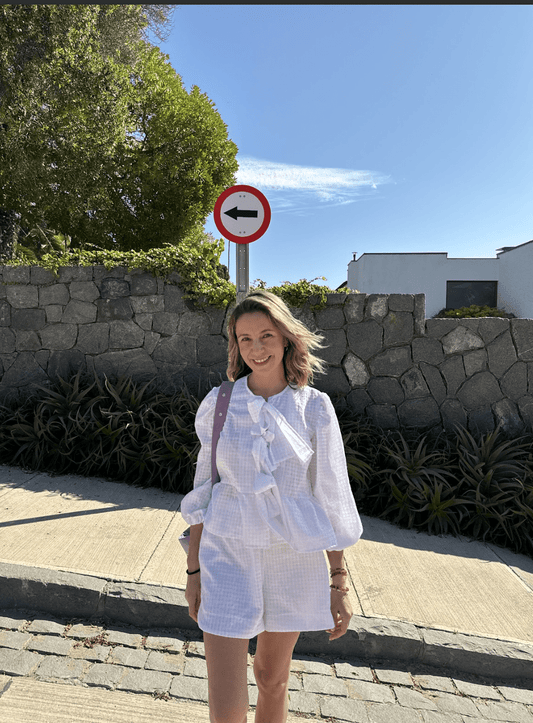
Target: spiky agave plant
[(494, 473), (120, 429), (45, 430), (173, 445), (422, 487)]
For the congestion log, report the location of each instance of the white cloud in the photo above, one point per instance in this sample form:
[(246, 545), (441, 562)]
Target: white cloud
[(294, 189)]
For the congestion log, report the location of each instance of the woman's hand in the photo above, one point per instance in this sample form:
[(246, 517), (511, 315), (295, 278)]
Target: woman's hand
[(193, 594), (341, 609)]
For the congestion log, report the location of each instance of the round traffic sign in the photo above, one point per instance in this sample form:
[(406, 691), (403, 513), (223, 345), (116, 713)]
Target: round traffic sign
[(242, 214)]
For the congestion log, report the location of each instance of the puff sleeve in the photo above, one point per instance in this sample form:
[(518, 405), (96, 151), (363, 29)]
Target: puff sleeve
[(329, 479), (194, 504)]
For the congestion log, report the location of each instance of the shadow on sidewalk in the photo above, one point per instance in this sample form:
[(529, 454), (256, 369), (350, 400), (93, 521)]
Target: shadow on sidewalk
[(376, 530)]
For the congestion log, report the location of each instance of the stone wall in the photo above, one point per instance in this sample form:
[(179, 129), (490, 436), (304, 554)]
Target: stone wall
[(110, 322), (386, 360)]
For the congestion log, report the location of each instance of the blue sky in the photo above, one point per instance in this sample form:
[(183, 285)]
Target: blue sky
[(370, 128)]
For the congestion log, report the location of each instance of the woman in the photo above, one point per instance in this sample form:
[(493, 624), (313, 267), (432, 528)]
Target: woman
[(258, 535)]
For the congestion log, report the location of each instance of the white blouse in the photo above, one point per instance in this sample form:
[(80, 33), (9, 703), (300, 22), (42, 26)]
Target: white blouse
[(282, 472)]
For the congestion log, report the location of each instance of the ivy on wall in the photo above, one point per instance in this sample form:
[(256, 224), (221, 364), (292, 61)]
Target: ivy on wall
[(198, 266)]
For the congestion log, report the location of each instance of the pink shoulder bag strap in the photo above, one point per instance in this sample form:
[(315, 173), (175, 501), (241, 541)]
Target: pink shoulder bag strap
[(221, 409)]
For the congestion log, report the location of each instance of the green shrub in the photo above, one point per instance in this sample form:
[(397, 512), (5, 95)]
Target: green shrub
[(421, 488), (496, 479), (300, 292), (473, 311), (480, 486), (120, 430)]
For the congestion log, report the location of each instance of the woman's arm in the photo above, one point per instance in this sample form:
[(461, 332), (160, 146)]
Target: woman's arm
[(341, 608), (335, 558), (193, 562), (193, 591)]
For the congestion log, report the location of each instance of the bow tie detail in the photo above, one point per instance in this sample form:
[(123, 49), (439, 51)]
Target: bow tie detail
[(290, 442)]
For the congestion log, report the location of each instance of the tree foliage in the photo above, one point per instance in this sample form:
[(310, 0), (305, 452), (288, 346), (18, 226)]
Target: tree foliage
[(175, 160), (99, 140), (64, 99)]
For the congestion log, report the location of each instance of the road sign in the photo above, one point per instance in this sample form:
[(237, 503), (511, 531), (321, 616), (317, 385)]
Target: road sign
[(242, 214)]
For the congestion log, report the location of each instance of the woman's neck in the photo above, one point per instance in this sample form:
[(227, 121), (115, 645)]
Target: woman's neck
[(266, 387)]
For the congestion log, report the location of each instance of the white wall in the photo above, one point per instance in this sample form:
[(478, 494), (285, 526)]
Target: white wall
[(418, 274), (515, 290)]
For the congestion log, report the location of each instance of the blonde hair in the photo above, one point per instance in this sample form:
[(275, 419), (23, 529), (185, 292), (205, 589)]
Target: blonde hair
[(299, 363)]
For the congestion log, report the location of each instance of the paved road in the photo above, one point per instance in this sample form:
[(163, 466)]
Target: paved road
[(42, 658)]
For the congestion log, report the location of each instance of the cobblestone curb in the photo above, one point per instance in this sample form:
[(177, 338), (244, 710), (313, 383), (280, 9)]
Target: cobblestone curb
[(73, 595), (171, 665)]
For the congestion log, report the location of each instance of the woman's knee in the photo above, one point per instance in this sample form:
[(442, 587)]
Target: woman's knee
[(272, 679), (273, 660)]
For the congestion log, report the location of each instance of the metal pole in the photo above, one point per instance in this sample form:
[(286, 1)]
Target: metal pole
[(242, 266)]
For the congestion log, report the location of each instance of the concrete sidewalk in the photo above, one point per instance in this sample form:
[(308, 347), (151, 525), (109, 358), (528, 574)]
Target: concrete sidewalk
[(28, 700), (93, 548)]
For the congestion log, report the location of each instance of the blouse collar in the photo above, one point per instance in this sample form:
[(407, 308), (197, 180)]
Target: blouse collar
[(258, 396)]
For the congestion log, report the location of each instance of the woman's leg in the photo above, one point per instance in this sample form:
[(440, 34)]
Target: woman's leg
[(271, 668), (226, 676)]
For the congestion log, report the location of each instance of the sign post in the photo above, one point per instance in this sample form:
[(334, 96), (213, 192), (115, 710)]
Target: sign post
[(242, 266), (242, 215)]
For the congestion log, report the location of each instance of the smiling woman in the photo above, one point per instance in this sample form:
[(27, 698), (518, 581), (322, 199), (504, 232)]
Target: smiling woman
[(266, 310), (262, 347), (258, 536)]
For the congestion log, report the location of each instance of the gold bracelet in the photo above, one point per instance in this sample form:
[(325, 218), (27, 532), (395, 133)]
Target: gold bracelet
[(338, 571), (340, 589)]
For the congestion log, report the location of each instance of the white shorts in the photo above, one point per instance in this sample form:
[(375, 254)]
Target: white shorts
[(246, 590)]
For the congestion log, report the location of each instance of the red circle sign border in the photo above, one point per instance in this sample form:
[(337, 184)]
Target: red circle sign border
[(218, 218)]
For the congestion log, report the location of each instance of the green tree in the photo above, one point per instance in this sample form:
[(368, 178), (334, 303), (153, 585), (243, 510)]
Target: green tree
[(165, 177), (63, 108), (98, 138)]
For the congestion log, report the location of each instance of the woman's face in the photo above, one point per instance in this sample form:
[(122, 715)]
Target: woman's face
[(261, 344)]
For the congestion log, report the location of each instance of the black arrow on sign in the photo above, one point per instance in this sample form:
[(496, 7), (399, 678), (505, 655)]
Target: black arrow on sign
[(235, 213)]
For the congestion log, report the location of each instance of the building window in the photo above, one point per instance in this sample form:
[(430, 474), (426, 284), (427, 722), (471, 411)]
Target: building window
[(466, 293)]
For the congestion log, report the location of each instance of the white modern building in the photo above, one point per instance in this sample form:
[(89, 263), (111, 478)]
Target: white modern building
[(505, 282)]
